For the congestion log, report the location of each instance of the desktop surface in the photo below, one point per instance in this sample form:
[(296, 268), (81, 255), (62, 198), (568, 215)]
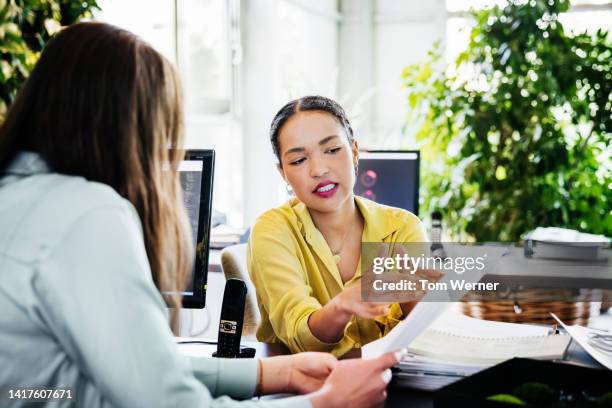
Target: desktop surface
[(397, 396), (516, 270)]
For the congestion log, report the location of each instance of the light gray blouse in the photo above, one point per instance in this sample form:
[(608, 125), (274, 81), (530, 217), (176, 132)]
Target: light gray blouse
[(79, 309)]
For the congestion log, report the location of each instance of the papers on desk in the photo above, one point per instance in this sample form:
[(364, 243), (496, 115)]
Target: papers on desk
[(429, 374), (461, 339), (457, 338), (223, 236), (456, 345), (584, 336), (562, 243), (567, 236)]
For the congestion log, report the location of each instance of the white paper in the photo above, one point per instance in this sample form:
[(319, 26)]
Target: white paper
[(581, 335), (421, 317), (458, 324), (566, 236)]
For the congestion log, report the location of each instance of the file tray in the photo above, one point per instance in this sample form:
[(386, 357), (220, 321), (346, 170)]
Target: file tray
[(503, 378)]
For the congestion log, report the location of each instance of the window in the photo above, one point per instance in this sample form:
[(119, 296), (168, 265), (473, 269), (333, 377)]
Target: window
[(155, 22), (202, 39)]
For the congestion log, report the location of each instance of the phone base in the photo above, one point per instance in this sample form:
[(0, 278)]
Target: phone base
[(245, 352)]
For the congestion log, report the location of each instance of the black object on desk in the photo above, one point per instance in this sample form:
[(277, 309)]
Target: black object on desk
[(504, 378), (232, 318)]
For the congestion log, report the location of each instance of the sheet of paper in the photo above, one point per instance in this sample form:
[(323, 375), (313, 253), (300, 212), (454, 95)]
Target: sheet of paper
[(407, 330), (581, 335)]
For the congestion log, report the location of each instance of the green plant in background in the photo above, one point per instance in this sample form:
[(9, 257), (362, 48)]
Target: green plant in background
[(516, 132), (25, 27)]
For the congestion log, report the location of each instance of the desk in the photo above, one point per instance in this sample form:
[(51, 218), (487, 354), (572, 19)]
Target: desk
[(516, 270), (397, 397)]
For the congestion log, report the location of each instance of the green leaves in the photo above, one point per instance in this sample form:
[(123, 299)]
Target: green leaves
[(25, 27), (517, 134)]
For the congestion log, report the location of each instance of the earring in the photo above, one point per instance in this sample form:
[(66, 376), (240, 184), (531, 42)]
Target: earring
[(289, 190), (356, 169)]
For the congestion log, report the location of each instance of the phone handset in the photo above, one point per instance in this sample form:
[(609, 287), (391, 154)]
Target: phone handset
[(232, 318)]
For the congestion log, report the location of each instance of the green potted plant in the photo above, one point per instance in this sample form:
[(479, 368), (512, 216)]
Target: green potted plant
[(515, 133), (25, 27)]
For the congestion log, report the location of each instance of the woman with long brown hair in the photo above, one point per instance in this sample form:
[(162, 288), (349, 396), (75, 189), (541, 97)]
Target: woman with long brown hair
[(92, 228)]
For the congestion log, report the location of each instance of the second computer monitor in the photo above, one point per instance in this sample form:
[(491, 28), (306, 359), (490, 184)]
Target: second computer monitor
[(390, 178)]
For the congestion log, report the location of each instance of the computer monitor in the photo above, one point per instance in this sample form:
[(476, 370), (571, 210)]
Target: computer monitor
[(390, 178), (196, 173)]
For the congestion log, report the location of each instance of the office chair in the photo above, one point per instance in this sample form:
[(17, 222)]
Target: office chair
[(234, 265)]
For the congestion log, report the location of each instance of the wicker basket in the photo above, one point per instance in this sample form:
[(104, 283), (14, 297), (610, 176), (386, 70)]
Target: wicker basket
[(532, 306)]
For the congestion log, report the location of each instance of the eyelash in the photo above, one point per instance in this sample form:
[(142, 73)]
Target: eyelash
[(333, 150)]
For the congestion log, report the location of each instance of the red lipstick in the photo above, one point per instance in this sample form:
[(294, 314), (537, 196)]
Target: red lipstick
[(325, 189)]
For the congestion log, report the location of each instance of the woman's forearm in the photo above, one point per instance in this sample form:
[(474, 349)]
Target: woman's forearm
[(328, 323)]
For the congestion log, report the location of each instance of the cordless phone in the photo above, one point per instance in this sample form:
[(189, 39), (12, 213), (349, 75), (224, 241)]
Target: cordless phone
[(437, 249), (232, 317)]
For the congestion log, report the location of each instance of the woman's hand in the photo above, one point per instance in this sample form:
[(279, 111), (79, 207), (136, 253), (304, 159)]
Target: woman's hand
[(357, 383), (349, 302), (309, 371), (300, 373), (430, 275), (328, 323), (418, 275)]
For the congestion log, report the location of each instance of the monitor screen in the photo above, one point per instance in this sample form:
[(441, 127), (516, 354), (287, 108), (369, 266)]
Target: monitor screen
[(390, 178), (196, 176)]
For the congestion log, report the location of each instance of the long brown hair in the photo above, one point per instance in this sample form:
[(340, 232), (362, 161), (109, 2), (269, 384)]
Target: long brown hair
[(103, 104)]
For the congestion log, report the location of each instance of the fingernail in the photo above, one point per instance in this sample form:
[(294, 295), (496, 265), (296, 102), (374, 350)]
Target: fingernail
[(386, 375), (400, 354)]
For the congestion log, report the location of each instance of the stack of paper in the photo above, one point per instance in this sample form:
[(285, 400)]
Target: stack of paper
[(562, 243), (223, 235), (456, 345), (429, 374), (462, 339), (447, 345), (567, 236)]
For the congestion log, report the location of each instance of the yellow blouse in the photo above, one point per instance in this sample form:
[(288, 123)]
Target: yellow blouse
[(294, 273)]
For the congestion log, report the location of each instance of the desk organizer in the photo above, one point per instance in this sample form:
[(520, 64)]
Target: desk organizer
[(505, 377)]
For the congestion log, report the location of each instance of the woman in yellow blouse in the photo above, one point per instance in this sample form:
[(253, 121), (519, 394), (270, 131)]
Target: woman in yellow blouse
[(304, 256)]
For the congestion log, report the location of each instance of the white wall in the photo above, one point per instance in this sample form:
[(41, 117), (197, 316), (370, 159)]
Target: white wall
[(404, 32), (290, 50), (356, 52), (343, 50), (378, 38)]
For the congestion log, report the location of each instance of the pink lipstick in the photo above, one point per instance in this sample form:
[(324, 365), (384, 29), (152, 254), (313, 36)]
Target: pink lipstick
[(325, 189)]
